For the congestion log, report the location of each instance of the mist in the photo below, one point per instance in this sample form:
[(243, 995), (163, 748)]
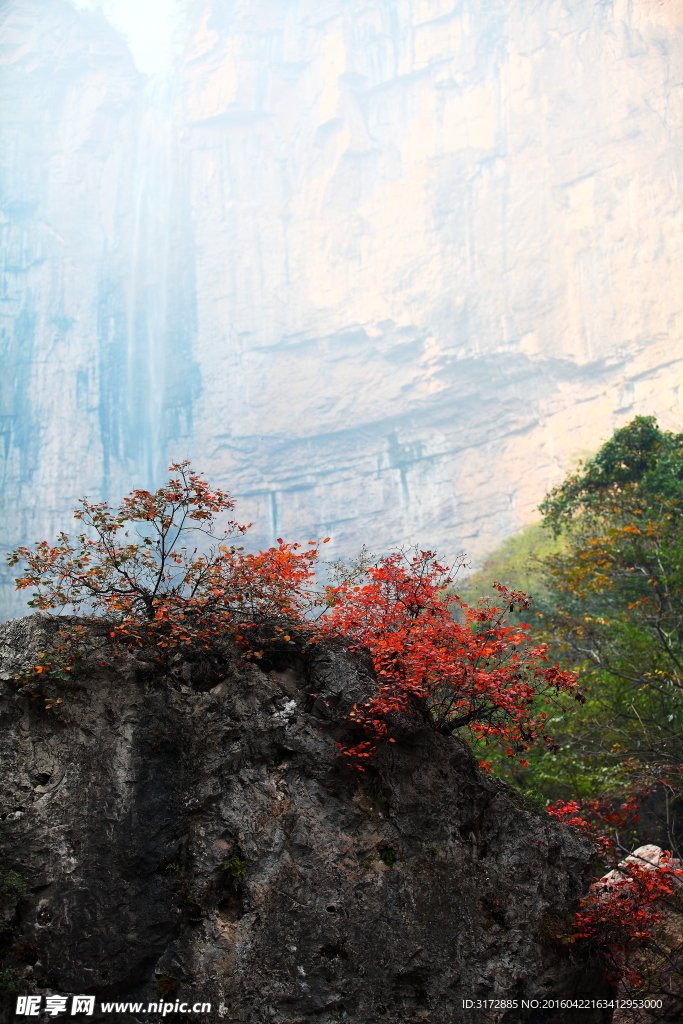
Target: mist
[(382, 270)]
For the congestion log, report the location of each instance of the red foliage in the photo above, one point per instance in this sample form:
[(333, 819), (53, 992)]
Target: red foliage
[(461, 667), (134, 569), (570, 813), (466, 666), (603, 813), (621, 911)]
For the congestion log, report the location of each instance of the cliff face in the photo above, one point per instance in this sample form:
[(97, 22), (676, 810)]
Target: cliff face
[(388, 896), (381, 269), (86, 237), (439, 253)]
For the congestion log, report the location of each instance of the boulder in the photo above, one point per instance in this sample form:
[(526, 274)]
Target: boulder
[(196, 838)]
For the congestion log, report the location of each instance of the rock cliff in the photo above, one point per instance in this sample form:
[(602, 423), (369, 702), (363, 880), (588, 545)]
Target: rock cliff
[(382, 269), (199, 840)]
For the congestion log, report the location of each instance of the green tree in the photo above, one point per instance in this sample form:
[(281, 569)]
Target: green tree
[(618, 590), (605, 570)]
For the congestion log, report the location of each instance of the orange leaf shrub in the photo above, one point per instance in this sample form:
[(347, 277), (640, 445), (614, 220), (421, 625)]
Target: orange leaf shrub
[(135, 573)]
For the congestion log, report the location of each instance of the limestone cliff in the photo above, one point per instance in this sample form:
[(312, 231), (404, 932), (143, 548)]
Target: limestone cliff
[(381, 268), (387, 896)]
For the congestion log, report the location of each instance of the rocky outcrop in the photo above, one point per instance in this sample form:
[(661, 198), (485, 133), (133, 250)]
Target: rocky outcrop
[(197, 837)]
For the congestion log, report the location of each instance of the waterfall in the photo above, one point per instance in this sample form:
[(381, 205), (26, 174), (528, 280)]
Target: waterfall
[(147, 312)]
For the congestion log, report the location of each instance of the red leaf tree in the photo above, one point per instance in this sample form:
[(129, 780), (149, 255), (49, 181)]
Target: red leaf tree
[(467, 667), (158, 571), (633, 914)]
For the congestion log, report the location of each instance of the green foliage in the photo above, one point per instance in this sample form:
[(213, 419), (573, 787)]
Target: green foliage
[(638, 458), (618, 589), (388, 856), (517, 564), (608, 587), (235, 867), (432, 850)]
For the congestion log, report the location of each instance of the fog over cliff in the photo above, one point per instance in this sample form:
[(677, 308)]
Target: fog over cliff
[(380, 268)]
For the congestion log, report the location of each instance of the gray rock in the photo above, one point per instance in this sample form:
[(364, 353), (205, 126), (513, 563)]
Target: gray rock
[(391, 895)]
